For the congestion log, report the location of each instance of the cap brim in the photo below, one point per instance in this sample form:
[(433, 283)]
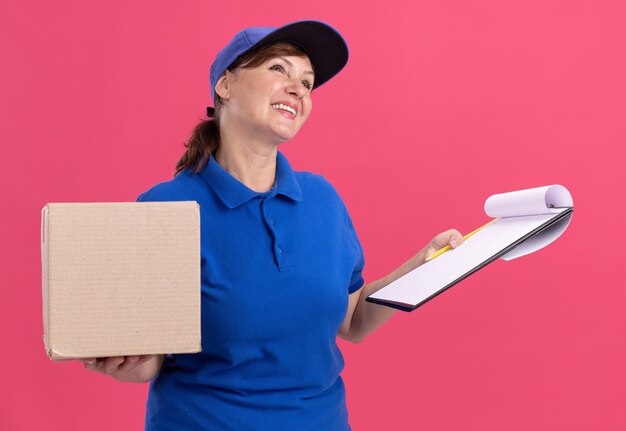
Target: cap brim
[(325, 47)]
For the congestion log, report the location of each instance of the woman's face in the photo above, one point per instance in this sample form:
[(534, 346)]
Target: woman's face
[(271, 101)]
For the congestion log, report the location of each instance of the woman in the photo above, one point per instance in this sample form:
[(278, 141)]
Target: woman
[(281, 262)]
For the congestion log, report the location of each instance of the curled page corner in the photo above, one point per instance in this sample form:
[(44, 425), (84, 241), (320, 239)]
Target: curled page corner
[(558, 196), (551, 199), (539, 200)]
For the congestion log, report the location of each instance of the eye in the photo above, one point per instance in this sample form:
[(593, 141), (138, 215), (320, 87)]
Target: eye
[(278, 67), (307, 84)]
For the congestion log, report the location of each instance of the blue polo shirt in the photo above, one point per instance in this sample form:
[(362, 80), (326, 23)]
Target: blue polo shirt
[(276, 271)]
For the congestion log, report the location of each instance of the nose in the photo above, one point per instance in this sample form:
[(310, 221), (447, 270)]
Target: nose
[(296, 88)]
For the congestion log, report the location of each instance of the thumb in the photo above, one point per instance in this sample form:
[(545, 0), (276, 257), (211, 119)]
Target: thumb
[(454, 238)]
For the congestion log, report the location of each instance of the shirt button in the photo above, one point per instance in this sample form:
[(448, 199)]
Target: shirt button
[(272, 222), (279, 250)]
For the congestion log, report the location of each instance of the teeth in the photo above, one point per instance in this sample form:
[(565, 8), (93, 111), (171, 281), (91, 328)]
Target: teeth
[(284, 108)]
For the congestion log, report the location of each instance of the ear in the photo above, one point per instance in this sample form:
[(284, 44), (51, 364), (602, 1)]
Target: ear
[(223, 85)]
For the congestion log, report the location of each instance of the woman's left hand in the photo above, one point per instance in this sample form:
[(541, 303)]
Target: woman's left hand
[(451, 237)]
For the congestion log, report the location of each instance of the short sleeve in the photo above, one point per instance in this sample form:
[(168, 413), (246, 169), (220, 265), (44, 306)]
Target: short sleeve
[(143, 197), (150, 196), (162, 192), (356, 280)]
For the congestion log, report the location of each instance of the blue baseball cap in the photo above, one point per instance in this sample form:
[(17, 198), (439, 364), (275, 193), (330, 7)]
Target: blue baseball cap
[(325, 47)]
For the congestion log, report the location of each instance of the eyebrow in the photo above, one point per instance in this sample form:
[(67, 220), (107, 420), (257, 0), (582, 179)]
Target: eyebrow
[(309, 72)]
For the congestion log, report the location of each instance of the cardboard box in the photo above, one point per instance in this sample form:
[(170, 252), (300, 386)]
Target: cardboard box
[(120, 278)]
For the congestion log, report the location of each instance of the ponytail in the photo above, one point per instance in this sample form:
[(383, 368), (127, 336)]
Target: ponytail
[(204, 141)]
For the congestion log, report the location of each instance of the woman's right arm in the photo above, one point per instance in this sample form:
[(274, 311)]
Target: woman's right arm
[(136, 369)]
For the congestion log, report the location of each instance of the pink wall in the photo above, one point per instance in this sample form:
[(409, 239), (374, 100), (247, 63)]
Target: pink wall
[(442, 104)]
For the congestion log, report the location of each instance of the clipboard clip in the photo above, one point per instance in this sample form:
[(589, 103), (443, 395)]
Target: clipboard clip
[(553, 207)]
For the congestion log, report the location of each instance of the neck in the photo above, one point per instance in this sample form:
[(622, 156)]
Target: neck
[(252, 163)]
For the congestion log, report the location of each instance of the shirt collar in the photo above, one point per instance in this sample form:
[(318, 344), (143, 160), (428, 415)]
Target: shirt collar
[(286, 181), (233, 193)]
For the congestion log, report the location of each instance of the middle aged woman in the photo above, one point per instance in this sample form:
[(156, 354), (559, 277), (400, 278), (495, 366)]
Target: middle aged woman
[(281, 262)]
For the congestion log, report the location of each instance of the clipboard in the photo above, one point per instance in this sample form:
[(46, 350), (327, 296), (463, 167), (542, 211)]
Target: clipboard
[(528, 220)]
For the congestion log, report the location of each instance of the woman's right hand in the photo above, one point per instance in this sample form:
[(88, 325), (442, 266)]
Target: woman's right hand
[(137, 369)]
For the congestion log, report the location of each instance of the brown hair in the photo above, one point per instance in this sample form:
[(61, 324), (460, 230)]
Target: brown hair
[(205, 138)]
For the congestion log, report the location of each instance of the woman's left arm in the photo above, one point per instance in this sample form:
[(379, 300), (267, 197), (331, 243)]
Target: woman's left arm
[(363, 318)]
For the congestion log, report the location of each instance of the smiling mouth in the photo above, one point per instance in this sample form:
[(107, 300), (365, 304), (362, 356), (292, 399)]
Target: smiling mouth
[(284, 107)]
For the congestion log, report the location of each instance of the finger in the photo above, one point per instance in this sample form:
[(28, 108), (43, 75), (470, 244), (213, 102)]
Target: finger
[(145, 358), (111, 364), (454, 238), (129, 363), (89, 363)]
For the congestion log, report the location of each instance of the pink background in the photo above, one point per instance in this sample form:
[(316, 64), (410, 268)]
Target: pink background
[(441, 105)]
